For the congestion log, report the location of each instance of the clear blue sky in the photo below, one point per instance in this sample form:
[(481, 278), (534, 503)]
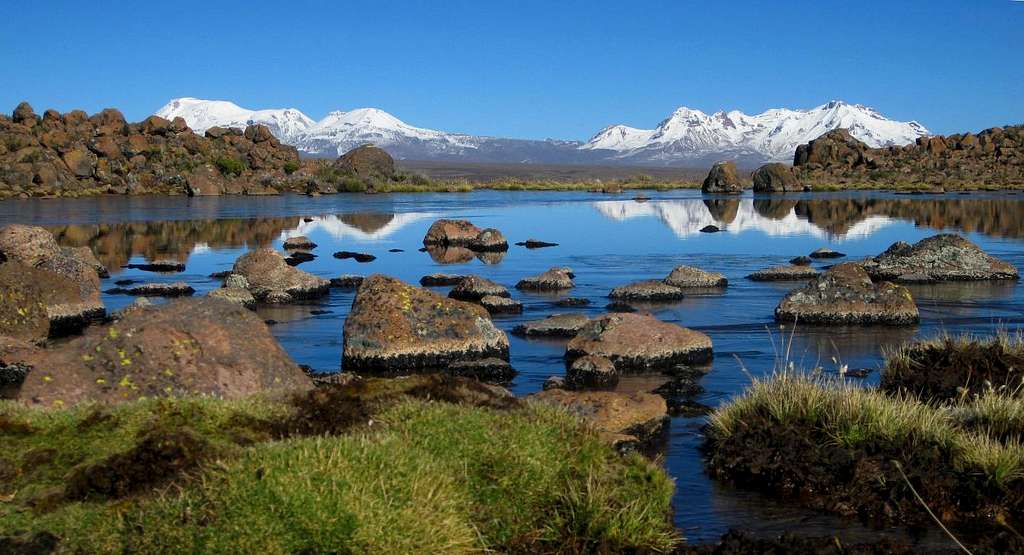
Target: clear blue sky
[(523, 69)]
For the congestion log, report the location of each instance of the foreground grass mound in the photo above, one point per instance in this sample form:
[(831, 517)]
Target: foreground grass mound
[(948, 368), (864, 453), (417, 476)]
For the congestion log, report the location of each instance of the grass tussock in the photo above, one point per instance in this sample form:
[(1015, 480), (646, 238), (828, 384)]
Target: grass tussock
[(966, 458), (422, 476), (954, 367)]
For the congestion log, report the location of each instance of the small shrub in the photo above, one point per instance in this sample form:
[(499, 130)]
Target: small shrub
[(291, 167), (230, 166)]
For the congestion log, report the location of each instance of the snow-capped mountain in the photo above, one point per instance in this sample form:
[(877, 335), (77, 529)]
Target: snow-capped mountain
[(686, 138), (772, 135)]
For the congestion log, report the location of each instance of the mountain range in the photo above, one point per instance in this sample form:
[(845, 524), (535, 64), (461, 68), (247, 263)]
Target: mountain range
[(686, 138)]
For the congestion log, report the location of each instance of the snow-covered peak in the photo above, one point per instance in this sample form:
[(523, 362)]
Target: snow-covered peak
[(619, 137), (285, 123)]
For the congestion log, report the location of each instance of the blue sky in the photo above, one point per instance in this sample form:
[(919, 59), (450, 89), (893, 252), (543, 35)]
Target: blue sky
[(521, 68)]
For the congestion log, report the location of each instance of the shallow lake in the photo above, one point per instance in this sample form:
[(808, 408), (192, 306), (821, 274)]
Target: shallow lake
[(608, 240)]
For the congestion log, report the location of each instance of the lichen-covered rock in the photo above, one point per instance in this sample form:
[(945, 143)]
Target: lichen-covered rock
[(688, 276), (649, 290), (554, 279), (623, 419), (556, 325), (591, 372), (784, 273), (451, 233), (395, 327), (776, 178), (272, 280), (86, 256), (474, 288), (846, 295), (237, 295), (723, 178), (185, 347), (501, 305), (945, 257), (638, 342)]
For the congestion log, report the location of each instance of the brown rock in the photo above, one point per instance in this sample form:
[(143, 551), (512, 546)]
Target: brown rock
[(639, 342), (556, 325), (25, 115), (722, 178), (554, 279), (784, 273), (367, 161), (395, 327), (846, 295), (451, 233), (650, 290), (622, 418), (688, 277), (474, 288), (776, 178), (489, 239), (591, 372), (80, 161), (495, 304), (155, 125), (272, 280)]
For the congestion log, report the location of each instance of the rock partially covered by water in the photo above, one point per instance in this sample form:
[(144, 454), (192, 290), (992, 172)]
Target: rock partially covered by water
[(637, 342), (723, 178), (649, 290), (846, 295), (474, 288), (501, 305), (491, 370), (176, 289), (237, 295), (398, 328), (300, 242), (272, 280), (825, 252), (945, 257), (556, 325), (688, 276), (441, 280), (784, 273), (186, 347), (591, 372), (462, 233), (776, 178), (624, 419), (554, 279)]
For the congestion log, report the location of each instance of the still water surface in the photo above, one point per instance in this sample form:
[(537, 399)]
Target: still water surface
[(608, 241)]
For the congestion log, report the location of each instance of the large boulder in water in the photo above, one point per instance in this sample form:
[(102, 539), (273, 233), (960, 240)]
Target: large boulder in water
[(272, 280), (462, 233), (691, 277), (722, 178), (846, 295), (398, 328), (776, 178), (554, 279), (648, 290), (945, 257), (474, 288), (197, 346), (367, 161), (639, 342)]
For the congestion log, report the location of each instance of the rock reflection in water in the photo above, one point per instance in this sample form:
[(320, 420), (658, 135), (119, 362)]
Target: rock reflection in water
[(462, 255)]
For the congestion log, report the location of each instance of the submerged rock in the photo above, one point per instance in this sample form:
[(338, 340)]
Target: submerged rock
[(395, 327), (272, 280), (801, 261), (501, 305), (636, 342), (650, 290), (624, 419), (846, 295), (297, 257), (441, 280), (185, 347), (554, 279), (360, 257), (825, 252), (176, 289), (163, 266), (536, 244), (556, 325), (784, 273), (723, 178), (572, 301), (591, 372), (945, 257), (347, 281), (619, 306), (489, 239), (474, 288), (491, 370), (688, 276)]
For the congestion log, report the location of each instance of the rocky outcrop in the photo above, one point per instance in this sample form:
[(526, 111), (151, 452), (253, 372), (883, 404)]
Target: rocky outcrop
[(776, 178), (271, 280), (846, 295), (74, 154), (462, 233), (554, 279), (186, 347), (398, 328), (623, 419), (946, 257), (784, 273), (690, 277), (723, 178), (991, 158), (367, 162), (591, 372), (649, 290), (638, 342), (556, 325)]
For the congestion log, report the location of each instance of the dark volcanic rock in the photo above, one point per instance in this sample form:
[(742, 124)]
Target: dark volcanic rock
[(776, 178), (619, 306), (572, 301), (650, 290), (395, 327), (825, 252), (487, 240), (846, 295), (536, 244), (360, 257), (556, 325), (177, 289), (688, 277), (491, 370), (186, 347), (367, 162), (801, 261), (441, 280), (300, 242), (296, 257), (784, 273), (945, 257), (636, 342), (710, 229), (554, 279), (159, 266), (722, 178), (272, 280), (474, 288), (347, 281), (591, 372)]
